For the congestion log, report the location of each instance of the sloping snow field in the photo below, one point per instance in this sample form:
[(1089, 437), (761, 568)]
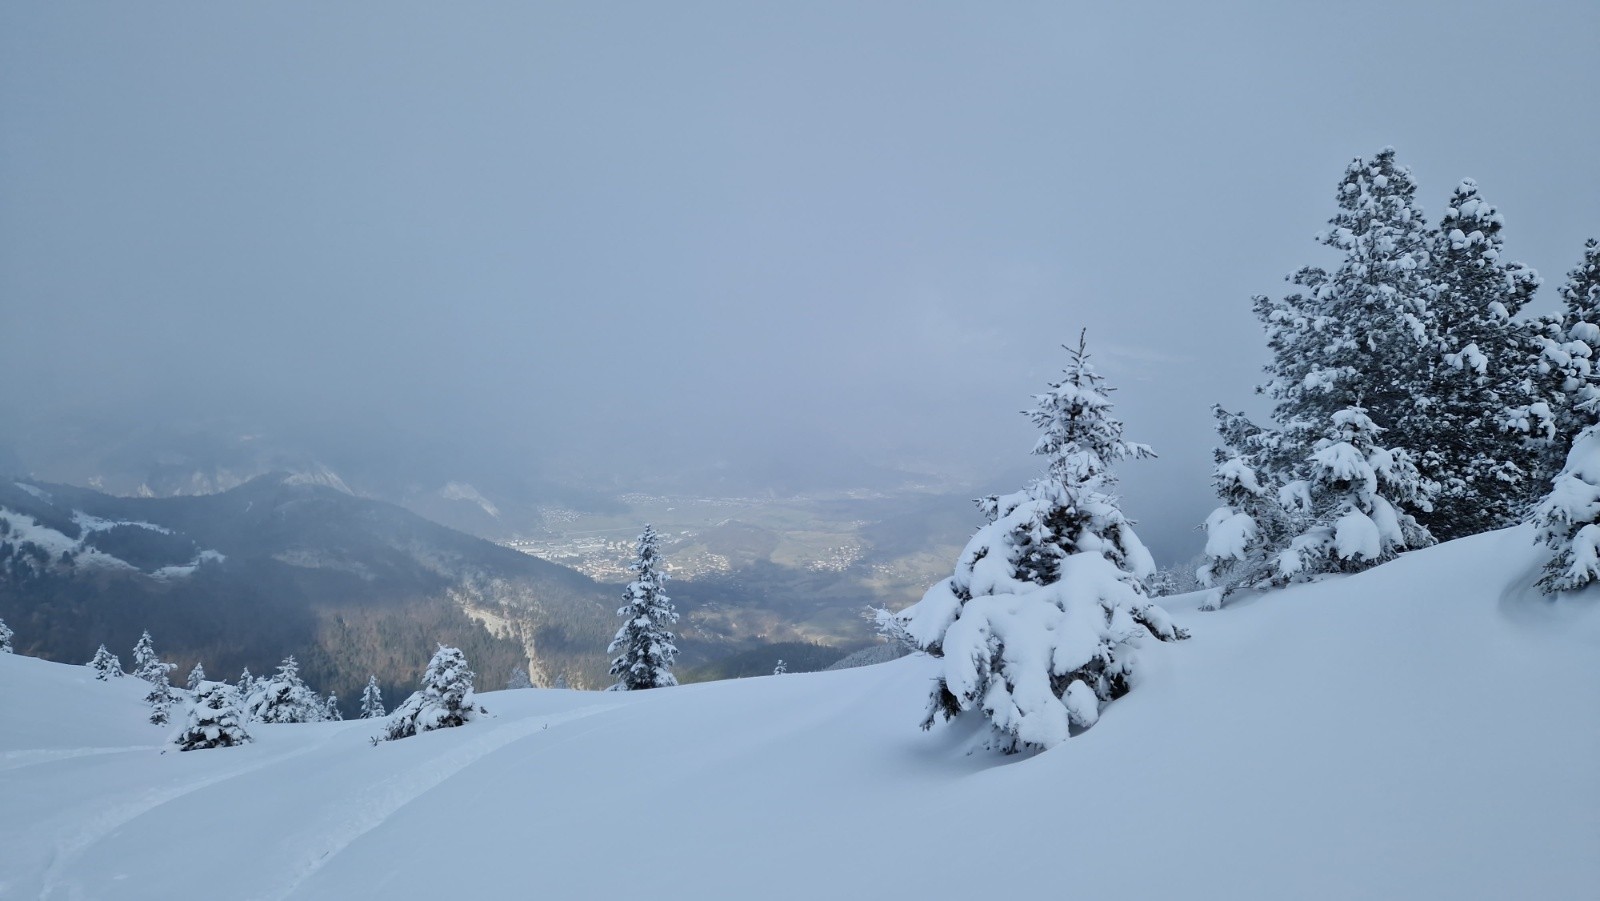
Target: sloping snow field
[(1430, 729)]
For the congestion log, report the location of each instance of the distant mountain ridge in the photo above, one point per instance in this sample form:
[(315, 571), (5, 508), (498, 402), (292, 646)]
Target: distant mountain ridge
[(494, 493), (284, 564), (460, 488)]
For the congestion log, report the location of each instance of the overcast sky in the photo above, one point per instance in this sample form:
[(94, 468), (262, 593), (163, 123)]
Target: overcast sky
[(606, 232)]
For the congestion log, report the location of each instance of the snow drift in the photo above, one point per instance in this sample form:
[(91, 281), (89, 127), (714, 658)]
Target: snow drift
[(1427, 729)]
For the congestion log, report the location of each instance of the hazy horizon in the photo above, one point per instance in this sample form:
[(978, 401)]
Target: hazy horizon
[(612, 244)]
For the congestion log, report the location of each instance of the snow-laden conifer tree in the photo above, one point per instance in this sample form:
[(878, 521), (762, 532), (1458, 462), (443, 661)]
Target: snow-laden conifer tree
[(1567, 365), (5, 638), (196, 676), (284, 698), (213, 719), (330, 708), (645, 638), (1245, 535), (144, 654), (1358, 334), (780, 669), (1581, 293), (1568, 519), (161, 697), (146, 665), (372, 700), (445, 699), (1162, 583), (1483, 414), (245, 687), (105, 665), (519, 678), (891, 628), (1353, 502), (1037, 626)]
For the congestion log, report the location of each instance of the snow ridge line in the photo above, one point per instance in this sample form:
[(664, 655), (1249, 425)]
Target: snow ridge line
[(368, 809)]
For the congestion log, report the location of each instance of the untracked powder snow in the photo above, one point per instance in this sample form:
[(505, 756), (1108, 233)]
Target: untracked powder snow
[(1426, 729)]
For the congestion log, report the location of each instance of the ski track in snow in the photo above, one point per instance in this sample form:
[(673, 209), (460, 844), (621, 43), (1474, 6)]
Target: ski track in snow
[(353, 817), (1314, 783), (16, 760), (96, 828)]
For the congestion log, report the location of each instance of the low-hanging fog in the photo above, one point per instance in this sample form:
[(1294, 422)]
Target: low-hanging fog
[(628, 245)]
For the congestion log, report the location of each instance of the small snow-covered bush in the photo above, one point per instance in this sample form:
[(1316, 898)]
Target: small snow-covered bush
[(1568, 519), (444, 701), (5, 638), (213, 720)]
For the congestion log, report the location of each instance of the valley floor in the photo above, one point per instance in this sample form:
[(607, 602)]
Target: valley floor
[(1426, 730)]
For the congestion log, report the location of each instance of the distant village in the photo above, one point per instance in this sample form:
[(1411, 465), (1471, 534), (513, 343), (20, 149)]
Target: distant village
[(604, 556)]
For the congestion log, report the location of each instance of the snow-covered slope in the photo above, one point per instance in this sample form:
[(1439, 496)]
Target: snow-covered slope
[(1428, 729)]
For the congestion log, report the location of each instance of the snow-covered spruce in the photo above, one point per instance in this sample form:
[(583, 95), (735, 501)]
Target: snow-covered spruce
[(1168, 581), (1345, 509), (283, 698), (245, 686), (1038, 626), (444, 701), (1361, 333), (1566, 367), (1353, 502), (1485, 417), (151, 668), (372, 700), (890, 628), (161, 697), (105, 665), (1581, 293), (519, 678), (5, 637), (213, 719), (196, 676), (1245, 535), (1568, 519), (144, 655), (780, 669), (330, 708), (645, 638), (146, 665)]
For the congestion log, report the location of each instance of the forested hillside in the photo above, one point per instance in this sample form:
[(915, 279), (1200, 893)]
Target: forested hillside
[(275, 567)]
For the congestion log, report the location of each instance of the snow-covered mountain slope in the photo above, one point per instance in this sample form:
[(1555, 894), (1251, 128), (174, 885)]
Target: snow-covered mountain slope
[(1428, 729)]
